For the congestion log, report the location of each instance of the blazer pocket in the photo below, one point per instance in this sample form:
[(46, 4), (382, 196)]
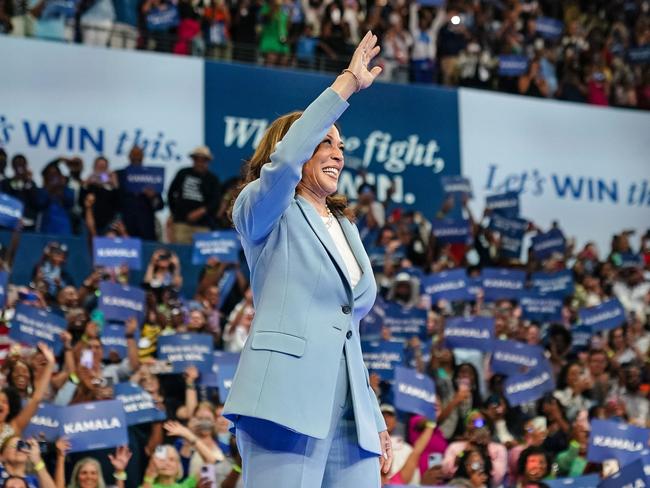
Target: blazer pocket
[(279, 342)]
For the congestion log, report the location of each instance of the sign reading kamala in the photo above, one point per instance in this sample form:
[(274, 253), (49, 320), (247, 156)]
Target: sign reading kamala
[(447, 285), (505, 204), (557, 284), (183, 350), (223, 244), (11, 209), (451, 230), (511, 357), (62, 114), (32, 325), (512, 65), (139, 406), (456, 185), (114, 252), (403, 322), (381, 357), (414, 392), (94, 425), (630, 476), (407, 151), (113, 338), (616, 440), (586, 481), (139, 178), (524, 388), (539, 307), (512, 232), (607, 315), (596, 168), (120, 302), (469, 333), (502, 283), (580, 336), (544, 245), (4, 281), (44, 424)]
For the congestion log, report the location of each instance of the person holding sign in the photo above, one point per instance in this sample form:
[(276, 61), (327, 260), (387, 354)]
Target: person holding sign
[(303, 409)]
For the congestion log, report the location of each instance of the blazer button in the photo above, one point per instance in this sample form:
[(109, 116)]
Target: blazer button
[(349, 334), (346, 309)]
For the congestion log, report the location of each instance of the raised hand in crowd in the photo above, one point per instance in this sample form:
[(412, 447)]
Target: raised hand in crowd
[(120, 460)]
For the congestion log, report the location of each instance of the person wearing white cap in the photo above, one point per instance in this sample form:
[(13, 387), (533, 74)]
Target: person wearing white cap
[(194, 195)]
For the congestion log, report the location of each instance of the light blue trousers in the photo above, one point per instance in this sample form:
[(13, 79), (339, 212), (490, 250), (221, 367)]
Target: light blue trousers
[(275, 457)]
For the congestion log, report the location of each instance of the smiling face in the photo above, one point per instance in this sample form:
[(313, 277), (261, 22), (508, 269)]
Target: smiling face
[(320, 175), (20, 376), (88, 476)]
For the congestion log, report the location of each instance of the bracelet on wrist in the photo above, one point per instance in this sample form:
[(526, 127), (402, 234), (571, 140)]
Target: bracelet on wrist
[(149, 480), (120, 475), (430, 424), (236, 468), (39, 465), (356, 79), (190, 385)]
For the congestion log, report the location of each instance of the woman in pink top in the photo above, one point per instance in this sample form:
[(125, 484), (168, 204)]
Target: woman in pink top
[(437, 442)]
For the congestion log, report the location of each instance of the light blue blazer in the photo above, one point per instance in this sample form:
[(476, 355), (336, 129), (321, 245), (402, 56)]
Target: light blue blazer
[(306, 311)]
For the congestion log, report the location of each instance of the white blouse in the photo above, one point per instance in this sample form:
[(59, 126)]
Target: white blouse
[(343, 247)]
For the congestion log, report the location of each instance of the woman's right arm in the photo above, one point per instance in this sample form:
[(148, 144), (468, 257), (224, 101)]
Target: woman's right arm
[(262, 202)]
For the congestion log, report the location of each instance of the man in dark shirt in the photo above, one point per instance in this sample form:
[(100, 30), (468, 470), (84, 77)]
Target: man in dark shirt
[(194, 197), (22, 186)]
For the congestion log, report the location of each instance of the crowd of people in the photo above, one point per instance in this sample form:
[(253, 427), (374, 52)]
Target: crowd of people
[(590, 51), (478, 439)]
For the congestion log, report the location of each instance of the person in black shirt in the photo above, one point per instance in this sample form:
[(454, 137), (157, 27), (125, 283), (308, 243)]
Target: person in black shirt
[(22, 186), (194, 197)]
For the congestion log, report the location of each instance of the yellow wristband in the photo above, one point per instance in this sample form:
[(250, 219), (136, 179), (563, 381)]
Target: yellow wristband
[(120, 475), (430, 424), (149, 480), (39, 465), (236, 469)]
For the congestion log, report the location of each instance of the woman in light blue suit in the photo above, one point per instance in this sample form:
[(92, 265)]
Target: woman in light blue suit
[(304, 413)]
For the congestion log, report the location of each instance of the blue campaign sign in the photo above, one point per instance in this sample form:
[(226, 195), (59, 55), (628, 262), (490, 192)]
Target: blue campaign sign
[(139, 178), (447, 285), (414, 392), (580, 336), (512, 232), (629, 260), (451, 230), (4, 281), (114, 252), (44, 425), (559, 283), (549, 243), (540, 307), (608, 315), (548, 27), (391, 149), (222, 244), (60, 8), (222, 361), (469, 333), (405, 322), (381, 357), (511, 357), (512, 65), (162, 19), (586, 481), (94, 425), (502, 283), (630, 476), (227, 281), (456, 185), (11, 211), (370, 326), (32, 325), (121, 302), (139, 406), (506, 204), (183, 350), (616, 440), (431, 3), (639, 54), (531, 386), (113, 338)]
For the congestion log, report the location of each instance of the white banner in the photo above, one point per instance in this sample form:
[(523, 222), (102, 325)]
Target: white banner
[(586, 167), (67, 100)]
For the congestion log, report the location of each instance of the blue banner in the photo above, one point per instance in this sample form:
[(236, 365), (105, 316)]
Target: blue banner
[(139, 406), (451, 230), (549, 243), (456, 185), (548, 27), (405, 322), (414, 392), (94, 425), (11, 211), (162, 19), (370, 326), (531, 386), (113, 338), (630, 476), (512, 65), (223, 369), (558, 284), (512, 357), (616, 440), (60, 8), (512, 232), (381, 357), (469, 333), (505, 204), (431, 3), (447, 285), (502, 283), (581, 336), (542, 308), (120, 302), (223, 245), (639, 54), (139, 178), (608, 315), (114, 252), (44, 425), (32, 325), (4, 281), (183, 350), (631, 261), (586, 481)]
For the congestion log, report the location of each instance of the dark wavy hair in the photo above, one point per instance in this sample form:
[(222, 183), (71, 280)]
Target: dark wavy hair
[(461, 463), (14, 402)]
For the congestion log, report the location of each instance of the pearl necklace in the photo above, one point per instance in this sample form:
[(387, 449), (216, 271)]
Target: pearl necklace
[(330, 217)]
